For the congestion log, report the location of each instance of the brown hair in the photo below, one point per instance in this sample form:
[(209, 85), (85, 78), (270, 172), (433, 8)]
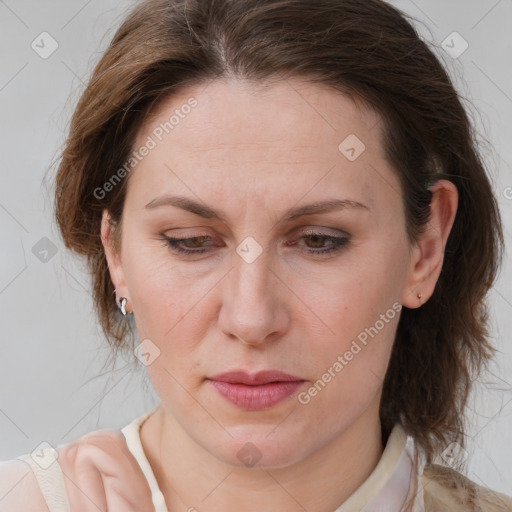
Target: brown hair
[(368, 50)]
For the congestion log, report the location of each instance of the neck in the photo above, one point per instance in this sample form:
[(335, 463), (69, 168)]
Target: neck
[(190, 478)]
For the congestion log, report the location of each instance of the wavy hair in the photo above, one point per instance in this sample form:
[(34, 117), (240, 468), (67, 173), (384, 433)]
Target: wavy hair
[(368, 50)]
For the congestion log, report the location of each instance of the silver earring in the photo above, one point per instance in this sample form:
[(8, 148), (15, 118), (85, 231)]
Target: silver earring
[(121, 304)]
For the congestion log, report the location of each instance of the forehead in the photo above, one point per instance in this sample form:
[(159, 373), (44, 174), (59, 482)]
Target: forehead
[(292, 110), (290, 136)]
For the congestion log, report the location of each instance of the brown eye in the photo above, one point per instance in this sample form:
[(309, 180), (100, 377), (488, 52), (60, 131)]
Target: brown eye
[(317, 243), (195, 246)]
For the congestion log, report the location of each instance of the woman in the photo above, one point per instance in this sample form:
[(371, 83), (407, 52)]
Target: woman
[(277, 202)]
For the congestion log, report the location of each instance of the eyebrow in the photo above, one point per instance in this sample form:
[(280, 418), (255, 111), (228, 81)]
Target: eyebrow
[(205, 211)]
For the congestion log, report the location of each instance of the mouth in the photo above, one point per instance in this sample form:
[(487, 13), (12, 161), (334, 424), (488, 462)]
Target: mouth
[(253, 392)]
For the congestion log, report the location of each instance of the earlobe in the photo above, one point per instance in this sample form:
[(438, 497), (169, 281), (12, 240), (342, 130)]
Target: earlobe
[(416, 292), (427, 255)]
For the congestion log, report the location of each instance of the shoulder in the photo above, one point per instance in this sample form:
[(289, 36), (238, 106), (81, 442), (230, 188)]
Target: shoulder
[(19, 486), (448, 490), (92, 451)]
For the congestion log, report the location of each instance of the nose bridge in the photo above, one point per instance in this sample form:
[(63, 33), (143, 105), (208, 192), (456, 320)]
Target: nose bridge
[(251, 275), (250, 309)]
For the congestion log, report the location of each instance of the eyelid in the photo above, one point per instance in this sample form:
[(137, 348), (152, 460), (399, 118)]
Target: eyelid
[(302, 231), (341, 242), (334, 232)]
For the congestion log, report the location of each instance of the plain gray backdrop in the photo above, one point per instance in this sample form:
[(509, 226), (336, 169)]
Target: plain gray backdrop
[(52, 348)]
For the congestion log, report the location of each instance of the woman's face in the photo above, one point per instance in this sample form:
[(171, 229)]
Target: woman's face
[(316, 296)]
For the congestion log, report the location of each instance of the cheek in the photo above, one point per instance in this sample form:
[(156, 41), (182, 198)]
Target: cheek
[(358, 317), (349, 375), (349, 300), (158, 305)]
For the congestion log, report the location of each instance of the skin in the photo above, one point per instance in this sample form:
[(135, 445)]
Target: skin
[(255, 152)]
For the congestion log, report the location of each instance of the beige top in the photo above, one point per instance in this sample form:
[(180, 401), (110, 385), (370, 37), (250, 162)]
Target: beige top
[(385, 490), (392, 483)]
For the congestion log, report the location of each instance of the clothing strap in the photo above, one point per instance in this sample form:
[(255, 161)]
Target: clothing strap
[(134, 443), (48, 472)]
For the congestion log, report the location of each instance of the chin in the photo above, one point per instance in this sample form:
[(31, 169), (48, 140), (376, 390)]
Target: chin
[(260, 449)]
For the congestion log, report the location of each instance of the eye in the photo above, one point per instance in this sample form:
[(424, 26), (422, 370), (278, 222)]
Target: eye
[(176, 244), (316, 247)]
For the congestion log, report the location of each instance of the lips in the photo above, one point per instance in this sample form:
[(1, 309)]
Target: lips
[(255, 391), (263, 377)]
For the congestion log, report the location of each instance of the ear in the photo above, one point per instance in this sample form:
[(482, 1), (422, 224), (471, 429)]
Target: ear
[(113, 255), (427, 255)]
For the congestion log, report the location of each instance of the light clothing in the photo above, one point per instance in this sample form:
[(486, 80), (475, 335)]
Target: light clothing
[(131, 433), (49, 477), (390, 485), (385, 490)]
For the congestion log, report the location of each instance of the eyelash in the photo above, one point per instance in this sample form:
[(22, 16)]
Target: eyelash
[(339, 244)]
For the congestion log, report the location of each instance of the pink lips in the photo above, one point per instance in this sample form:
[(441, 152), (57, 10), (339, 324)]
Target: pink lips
[(255, 392)]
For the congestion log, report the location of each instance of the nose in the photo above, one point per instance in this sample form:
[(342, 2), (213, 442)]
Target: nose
[(253, 310), (243, 341)]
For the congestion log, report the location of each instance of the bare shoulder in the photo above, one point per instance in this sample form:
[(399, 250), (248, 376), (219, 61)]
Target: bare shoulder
[(19, 489), (445, 489)]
